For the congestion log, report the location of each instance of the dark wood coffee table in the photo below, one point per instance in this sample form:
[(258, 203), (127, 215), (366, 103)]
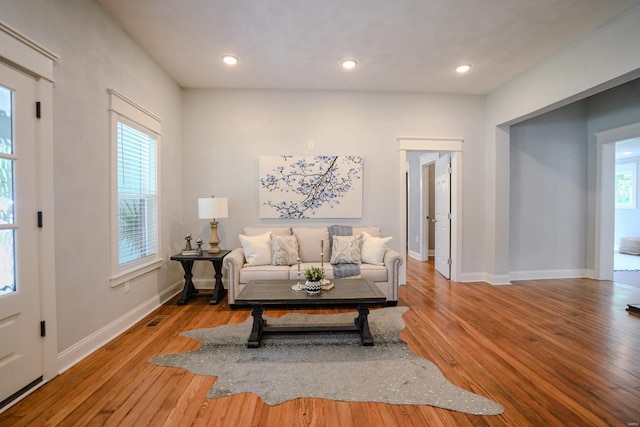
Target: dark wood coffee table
[(270, 293)]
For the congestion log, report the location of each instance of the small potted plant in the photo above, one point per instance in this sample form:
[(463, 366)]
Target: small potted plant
[(313, 276)]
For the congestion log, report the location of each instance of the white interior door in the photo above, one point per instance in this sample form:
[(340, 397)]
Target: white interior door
[(21, 352), (443, 215)]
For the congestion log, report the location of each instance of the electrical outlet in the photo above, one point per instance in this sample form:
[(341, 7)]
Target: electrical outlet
[(127, 286), (417, 239), (310, 145)]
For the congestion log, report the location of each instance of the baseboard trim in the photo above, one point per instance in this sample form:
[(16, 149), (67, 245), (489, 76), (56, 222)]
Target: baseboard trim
[(549, 274), (77, 352), (473, 277)]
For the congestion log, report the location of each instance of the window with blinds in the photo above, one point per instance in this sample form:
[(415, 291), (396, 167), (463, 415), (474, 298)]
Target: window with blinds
[(135, 143), (137, 190)]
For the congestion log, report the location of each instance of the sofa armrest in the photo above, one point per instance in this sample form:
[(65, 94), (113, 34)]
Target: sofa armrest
[(392, 261), (234, 262)]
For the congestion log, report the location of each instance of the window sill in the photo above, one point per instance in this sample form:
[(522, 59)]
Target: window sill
[(136, 271)]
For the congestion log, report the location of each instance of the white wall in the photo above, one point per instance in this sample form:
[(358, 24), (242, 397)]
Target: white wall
[(548, 194), (616, 107), (225, 131), (552, 185), (95, 55), (605, 58)]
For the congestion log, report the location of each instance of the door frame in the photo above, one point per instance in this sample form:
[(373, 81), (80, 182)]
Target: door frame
[(454, 146), (33, 59), (605, 192)]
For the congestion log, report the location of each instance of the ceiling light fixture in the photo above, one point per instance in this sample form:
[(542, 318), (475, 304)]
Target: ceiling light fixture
[(230, 59), (349, 64), (463, 68)]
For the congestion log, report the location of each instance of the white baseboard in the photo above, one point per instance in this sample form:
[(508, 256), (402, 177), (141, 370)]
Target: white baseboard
[(74, 354), (591, 274), (473, 277), (505, 279), (499, 279), (549, 274)]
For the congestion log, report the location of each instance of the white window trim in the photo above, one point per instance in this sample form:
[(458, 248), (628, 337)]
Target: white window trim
[(122, 107)]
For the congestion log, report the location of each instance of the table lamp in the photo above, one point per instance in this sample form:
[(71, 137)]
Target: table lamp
[(212, 208)]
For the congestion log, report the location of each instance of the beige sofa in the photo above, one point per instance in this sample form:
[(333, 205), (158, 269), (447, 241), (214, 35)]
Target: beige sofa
[(382, 267)]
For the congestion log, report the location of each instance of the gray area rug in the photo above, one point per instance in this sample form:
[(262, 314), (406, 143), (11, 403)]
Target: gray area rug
[(329, 366)]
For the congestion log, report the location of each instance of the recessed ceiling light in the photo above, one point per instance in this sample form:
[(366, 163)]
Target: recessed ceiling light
[(229, 59), (463, 68), (349, 64)]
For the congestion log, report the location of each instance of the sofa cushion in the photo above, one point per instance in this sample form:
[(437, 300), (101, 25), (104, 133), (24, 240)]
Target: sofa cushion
[(373, 248), (264, 272), (275, 231), (257, 249), (312, 241), (284, 250), (346, 249)]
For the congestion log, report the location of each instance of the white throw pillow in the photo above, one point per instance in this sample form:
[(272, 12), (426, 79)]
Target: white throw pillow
[(373, 248), (346, 249), (257, 249), (284, 250)]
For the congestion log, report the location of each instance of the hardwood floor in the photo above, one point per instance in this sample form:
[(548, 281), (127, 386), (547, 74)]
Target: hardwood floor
[(552, 352)]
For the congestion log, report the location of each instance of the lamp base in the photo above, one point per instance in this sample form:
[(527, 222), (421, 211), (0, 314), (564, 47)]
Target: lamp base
[(214, 240)]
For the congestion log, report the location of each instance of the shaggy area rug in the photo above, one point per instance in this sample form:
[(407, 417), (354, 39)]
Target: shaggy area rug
[(330, 366)]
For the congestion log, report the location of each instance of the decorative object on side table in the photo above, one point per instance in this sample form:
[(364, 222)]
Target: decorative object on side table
[(188, 250), (199, 250), (313, 276), (212, 208)]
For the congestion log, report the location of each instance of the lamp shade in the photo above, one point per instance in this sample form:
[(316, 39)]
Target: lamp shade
[(213, 207)]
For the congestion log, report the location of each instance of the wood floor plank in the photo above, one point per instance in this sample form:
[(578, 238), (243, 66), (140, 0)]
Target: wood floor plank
[(552, 352)]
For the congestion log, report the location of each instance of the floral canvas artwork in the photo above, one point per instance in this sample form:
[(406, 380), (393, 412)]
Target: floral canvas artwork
[(310, 187)]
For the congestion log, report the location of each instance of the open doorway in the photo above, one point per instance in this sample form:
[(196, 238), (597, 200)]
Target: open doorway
[(612, 227), (420, 204), (429, 207), (626, 256), (418, 216)]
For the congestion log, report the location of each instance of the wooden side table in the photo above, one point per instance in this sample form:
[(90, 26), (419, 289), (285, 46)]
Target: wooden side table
[(187, 265)]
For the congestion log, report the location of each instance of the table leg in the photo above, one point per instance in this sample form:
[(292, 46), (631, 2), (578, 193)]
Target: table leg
[(362, 323), (258, 326), (218, 289), (189, 289)]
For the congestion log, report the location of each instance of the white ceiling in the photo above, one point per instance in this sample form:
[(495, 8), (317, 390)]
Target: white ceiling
[(400, 45)]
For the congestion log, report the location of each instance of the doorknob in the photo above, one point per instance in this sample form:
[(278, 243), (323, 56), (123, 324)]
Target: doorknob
[(433, 220)]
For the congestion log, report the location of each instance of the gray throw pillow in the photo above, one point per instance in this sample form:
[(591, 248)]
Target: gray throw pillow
[(284, 250)]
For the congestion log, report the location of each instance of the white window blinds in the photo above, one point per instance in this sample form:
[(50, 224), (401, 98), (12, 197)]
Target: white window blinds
[(137, 194)]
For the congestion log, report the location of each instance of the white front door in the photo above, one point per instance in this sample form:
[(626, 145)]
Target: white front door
[(21, 353), (443, 215)]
